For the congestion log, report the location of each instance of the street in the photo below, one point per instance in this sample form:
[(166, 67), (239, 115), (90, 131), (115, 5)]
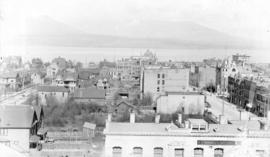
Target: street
[(17, 98), (230, 110)]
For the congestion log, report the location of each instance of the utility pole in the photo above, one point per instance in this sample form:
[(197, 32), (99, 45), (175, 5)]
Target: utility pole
[(223, 91)]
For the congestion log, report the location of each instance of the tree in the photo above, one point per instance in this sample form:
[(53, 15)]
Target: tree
[(70, 64), (37, 63), (78, 65), (60, 62), (147, 99)]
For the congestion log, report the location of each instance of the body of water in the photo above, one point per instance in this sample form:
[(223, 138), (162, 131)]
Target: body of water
[(87, 54)]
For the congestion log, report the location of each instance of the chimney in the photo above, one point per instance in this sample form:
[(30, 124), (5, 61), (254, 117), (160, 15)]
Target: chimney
[(244, 115), (186, 124), (132, 117), (180, 118), (268, 117), (157, 118), (109, 117), (222, 119)]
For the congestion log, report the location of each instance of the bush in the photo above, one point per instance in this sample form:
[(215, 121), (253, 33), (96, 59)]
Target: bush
[(74, 113)]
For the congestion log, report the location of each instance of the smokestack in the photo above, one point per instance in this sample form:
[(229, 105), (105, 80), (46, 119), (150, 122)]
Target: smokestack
[(132, 117), (180, 118), (157, 118)]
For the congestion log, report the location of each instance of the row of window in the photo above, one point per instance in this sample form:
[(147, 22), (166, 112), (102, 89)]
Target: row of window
[(158, 152), (3, 132), (158, 75), (51, 94), (163, 82)]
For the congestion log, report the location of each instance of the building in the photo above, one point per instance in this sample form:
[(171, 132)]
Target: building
[(203, 76), (10, 81), (240, 59), (37, 77), (108, 72), (130, 68), (191, 138), (89, 129), (241, 91), (250, 94), (157, 80), (19, 126), (52, 70), (88, 95), (184, 102), (58, 94), (123, 107), (9, 152)]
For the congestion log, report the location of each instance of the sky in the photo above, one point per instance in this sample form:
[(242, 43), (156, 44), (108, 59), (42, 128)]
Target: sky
[(243, 18)]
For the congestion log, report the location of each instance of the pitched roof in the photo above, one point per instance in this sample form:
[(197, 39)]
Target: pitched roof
[(16, 116), (9, 75), (85, 73), (52, 89), (89, 125), (70, 76), (89, 93), (39, 111), (126, 103)]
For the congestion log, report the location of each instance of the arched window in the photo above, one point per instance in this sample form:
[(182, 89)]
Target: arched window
[(179, 152), (117, 151), (218, 152), (137, 151), (198, 152), (158, 152)]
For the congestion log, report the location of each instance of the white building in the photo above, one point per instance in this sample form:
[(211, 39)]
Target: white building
[(59, 93), (52, 70), (157, 80), (194, 138), (18, 124), (184, 102), (9, 80), (37, 78)]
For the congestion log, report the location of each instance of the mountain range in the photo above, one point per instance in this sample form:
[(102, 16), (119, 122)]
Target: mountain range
[(143, 34)]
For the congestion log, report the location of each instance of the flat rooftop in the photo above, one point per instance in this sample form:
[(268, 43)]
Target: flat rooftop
[(170, 129)]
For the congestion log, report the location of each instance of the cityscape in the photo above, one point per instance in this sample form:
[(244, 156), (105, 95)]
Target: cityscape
[(190, 91)]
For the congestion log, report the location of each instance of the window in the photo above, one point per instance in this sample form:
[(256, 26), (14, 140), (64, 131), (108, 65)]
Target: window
[(157, 89), (3, 132), (203, 127), (158, 152), (260, 153), (179, 152), (195, 127), (158, 82), (198, 152), (218, 152), (163, 75), (163, 82), (137, 152), (158, 75), (117, 152)]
